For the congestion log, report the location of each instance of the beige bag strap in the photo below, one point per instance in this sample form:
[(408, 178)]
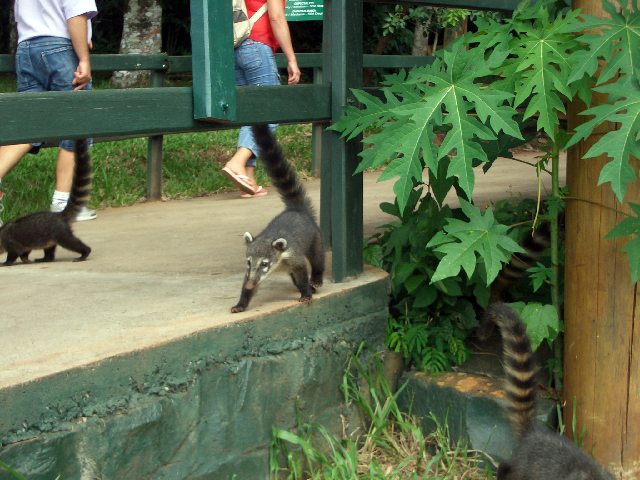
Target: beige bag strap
[(256, 16)]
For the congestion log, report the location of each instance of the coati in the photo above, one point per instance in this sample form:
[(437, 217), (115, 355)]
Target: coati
[(45, 230), (292, 238), (534, 244), (540, 454)]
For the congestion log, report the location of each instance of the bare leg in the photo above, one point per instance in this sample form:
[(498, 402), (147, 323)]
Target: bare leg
[(10, 155), (252, 179), (64, 170), (238, 163)]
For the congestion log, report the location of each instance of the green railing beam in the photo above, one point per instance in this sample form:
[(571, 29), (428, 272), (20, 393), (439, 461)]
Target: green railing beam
[(53, 116)]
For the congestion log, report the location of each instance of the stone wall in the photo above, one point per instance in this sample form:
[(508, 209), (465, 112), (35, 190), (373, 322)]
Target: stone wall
[(200, 407)]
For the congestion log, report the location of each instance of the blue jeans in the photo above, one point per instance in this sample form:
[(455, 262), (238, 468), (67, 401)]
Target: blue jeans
[(47, 64), (255, 65)]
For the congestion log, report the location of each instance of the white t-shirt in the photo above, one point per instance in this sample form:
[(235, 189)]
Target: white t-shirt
[(48, 18)]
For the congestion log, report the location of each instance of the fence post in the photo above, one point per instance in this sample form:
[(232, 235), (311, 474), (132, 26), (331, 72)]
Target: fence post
[(154, 152), (340, 190)]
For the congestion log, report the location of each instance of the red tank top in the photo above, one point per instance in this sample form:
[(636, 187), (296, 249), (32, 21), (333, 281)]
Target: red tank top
[(261, 31)]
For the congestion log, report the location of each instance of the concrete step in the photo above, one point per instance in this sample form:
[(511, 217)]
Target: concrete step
[(471, 405)]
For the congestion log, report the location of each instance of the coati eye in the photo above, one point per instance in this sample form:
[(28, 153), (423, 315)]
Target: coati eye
[(265, 263), (248, 262)]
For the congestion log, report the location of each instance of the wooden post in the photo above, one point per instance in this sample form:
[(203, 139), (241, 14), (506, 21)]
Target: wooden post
[(602, 365), (343, 70), (154, 151)]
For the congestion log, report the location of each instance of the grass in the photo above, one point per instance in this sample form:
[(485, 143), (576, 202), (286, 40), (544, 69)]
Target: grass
[(392, 447), (191, 164)]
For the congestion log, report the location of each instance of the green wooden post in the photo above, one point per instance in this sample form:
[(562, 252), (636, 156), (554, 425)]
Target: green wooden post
[(154, 152), (344, 73), (326, 140), (214, 82)]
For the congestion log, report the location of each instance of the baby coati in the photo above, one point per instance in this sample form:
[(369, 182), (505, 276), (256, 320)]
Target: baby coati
[(292, 238), (540, 453), (45, 230)]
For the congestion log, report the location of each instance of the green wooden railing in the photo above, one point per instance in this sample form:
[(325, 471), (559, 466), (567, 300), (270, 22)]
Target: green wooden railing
[(159, 65)]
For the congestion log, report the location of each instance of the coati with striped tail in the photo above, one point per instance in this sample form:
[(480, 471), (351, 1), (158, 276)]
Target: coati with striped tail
[(534, 244), (540, 453), (46, 230), (292, 238)]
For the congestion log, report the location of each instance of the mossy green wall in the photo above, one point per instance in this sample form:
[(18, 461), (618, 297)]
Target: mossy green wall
[(201, 407)]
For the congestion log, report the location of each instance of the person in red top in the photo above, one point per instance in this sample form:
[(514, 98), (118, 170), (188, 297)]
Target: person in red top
[(256, 65)]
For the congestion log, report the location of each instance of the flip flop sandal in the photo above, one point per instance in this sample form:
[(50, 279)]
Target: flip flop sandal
[(240, 181), (259, 193)]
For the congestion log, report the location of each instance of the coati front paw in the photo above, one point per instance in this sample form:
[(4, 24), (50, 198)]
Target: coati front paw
[(238, 309), (305, 299)]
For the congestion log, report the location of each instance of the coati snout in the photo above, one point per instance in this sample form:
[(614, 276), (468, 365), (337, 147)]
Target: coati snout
[(292, 240), (261, 259)]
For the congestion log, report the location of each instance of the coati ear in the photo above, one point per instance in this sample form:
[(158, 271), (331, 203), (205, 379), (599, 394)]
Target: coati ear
[(248, 238), (280, 244)]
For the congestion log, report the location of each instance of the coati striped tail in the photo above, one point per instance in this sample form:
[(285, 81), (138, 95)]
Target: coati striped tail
[(81, 185), (521, 368), (283, 175), (512, 272)]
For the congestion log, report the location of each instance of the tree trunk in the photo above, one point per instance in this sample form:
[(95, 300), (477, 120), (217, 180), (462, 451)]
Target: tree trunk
[(13, 32), (601, 369), (450, 34), (141, 34), (380, 46), (421, 40)]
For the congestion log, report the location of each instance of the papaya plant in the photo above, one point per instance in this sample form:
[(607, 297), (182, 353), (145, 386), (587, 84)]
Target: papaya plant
[(539, 60)]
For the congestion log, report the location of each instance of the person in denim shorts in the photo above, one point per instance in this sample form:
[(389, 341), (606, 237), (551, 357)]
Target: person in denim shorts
[(256, 65), (54, 38)]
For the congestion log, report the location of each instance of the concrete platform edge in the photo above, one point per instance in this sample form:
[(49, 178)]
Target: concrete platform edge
[(199, 407)]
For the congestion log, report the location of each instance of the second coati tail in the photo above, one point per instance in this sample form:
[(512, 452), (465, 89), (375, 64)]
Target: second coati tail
[(292, 239), (512, 272), (46, 230), (520, 366), (539, 453)]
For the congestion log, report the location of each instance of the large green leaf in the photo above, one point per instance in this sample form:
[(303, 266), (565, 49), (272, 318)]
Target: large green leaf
[(621, 31), (542, 321), (630, 226), (618, 144), (446, 94), (540, 73), (481, 236)]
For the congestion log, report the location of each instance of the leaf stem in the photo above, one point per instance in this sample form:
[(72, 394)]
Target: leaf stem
[(535, 165)]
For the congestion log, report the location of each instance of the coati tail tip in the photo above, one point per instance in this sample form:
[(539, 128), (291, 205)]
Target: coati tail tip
[(520, 365)]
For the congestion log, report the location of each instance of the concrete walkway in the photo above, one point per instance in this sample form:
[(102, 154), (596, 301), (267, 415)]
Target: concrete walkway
[(162, 271)]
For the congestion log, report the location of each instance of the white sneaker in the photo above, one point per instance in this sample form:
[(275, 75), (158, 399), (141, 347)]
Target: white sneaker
[(84, 214)]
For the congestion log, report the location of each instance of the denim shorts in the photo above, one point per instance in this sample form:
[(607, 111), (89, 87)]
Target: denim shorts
[(47, 64), (255, 65)]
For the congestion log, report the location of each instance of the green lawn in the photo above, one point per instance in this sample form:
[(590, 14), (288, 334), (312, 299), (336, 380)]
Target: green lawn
[(191, 163)]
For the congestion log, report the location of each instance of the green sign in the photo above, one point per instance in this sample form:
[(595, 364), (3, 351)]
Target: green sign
[(298, 10)]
